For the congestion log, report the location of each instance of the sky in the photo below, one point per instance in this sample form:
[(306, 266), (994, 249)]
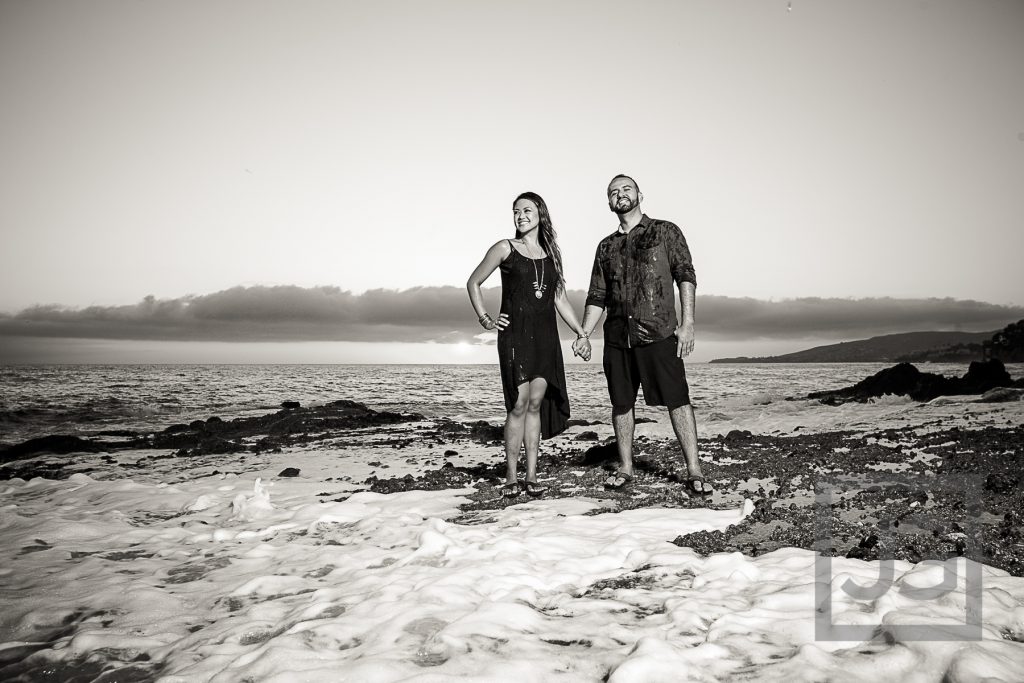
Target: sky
[(314, 181)]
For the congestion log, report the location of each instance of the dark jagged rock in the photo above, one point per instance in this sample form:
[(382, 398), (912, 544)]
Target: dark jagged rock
[(982, 376), (865, 549), (450, 477), (586, 436), (1002, 482), (212, 445), (906, 380), (479, 431), (584, 423), (288, 405), (214, 436), (289, 472), (288, 426), (60, 444), (738, 435), (596, 455)]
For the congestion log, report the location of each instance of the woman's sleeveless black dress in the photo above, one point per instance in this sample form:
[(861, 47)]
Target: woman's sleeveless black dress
[(528, 348)]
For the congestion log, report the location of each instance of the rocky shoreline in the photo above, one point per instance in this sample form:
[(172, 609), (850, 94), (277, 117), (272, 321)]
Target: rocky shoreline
[(911, 494), (895, 494)]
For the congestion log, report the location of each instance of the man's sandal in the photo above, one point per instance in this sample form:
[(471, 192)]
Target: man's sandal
[(618, 481), (690, 482), (534, 489), (510, 489)]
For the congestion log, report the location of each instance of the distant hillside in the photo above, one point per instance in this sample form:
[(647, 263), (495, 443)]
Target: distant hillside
[(884, 349), (1007, 344)]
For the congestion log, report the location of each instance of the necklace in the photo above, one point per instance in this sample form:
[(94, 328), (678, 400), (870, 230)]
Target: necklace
[(538, 280)]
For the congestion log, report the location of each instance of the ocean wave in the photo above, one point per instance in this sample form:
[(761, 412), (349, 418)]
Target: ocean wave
[(38, 400)]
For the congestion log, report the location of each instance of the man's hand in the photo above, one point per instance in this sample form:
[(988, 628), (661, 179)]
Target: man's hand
[(684, 340)]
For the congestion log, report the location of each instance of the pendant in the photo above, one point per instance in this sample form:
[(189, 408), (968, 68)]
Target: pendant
[(539, 294)]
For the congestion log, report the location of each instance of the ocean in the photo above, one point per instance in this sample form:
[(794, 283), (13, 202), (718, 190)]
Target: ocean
[(77, 399)]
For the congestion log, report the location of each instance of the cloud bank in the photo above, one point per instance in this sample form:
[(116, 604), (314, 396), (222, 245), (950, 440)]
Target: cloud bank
[(443, 314)]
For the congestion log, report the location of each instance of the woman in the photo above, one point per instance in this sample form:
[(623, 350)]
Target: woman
[(532, 375)]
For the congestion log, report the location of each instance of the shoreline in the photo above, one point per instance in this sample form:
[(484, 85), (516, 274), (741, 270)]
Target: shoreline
[(343, 541), (892, 487), (896, 494)]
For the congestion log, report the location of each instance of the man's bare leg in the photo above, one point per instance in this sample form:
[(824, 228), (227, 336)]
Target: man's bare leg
[(685, 426), (624, 425)]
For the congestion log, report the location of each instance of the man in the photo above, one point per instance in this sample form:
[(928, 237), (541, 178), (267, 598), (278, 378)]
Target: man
[(644, 345)]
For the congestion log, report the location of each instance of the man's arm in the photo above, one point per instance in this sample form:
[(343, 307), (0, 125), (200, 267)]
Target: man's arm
[(684, 333), (681, 264), (679, 259), (591, 316)]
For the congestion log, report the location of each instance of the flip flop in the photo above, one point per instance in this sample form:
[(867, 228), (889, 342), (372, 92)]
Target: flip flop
[(534, 489), (510, 489), (690, 482), (618, 481)]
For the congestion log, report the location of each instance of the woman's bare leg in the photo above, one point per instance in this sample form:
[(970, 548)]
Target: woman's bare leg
[(531, 437), (515, 427)]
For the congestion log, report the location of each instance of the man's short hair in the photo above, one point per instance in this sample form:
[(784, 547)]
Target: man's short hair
[(630, 178)]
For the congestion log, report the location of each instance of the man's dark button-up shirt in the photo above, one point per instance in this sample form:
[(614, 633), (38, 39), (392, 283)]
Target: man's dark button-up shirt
[(632, 280)]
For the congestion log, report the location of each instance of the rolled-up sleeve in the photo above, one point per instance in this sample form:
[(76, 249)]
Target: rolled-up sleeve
[(679, 257), (598, 291)]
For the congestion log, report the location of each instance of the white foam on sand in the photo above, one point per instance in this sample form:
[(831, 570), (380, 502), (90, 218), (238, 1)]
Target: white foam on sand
[(235, 579)]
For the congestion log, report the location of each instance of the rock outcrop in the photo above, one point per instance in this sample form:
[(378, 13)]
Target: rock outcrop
[(906, 380)]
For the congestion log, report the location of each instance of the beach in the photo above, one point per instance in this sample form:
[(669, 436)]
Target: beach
[(366, 541)]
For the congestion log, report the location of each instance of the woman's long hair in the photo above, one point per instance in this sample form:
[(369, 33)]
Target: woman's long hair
[(546, 235)]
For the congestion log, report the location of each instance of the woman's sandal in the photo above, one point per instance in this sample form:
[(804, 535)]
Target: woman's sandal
[(510, 489), (618, 481), (534, 489), (690, 482)]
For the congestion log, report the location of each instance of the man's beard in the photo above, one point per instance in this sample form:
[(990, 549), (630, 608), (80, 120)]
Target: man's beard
[(623, 205)]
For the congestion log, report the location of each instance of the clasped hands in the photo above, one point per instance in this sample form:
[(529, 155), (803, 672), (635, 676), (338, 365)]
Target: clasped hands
[(581, 348)]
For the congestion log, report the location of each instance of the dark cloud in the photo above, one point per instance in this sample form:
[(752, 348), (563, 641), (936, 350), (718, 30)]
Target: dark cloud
[(290, 313), (285, 313), (733, 318)]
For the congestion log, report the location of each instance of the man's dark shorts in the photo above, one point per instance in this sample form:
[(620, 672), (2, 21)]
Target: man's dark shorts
[(655, 366)]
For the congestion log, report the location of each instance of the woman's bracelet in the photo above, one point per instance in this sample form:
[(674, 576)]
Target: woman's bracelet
[(484, 319), (583, 335)]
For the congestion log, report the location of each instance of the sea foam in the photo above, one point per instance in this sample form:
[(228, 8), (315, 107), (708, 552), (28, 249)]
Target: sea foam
[(234, 578)]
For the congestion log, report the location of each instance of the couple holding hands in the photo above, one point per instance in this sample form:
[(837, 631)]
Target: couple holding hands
[(632, 282)]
